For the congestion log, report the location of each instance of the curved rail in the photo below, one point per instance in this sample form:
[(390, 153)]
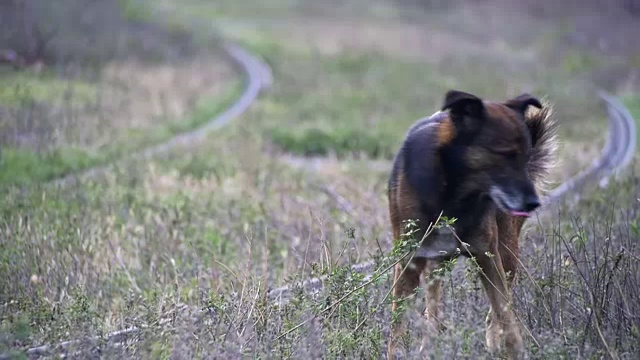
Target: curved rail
[(257, 76), (616, 154)]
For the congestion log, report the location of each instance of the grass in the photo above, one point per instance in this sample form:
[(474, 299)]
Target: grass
[(23, 166), (579, 61), (134, 249), (72, 116), (187, 247), (632, 102), (360, 101), (278, 9), (135, 11), (20, 167), (204, 111), (20, 87), (337, 141)]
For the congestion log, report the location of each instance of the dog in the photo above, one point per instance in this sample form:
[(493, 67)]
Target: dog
[(484, 164)]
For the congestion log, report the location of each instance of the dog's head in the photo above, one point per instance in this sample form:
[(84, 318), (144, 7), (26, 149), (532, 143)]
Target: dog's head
[(497, 145)]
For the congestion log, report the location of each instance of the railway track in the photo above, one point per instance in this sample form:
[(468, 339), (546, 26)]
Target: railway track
[(615, 156)]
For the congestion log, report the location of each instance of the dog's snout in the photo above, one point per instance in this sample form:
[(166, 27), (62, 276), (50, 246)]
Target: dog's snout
[(531, 203)]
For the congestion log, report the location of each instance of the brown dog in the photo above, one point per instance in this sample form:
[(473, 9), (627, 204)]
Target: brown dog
[(482, 163)]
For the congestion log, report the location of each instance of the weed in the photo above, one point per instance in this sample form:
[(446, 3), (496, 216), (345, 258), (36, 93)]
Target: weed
[(186, 248), (340, 142), (576, 62), (21, 87), (23, 166), (135, 11), (632, 102)]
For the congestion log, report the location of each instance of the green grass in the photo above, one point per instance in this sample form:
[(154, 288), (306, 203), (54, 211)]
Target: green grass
[(341, 103), (20, 167), (577, 62), (135, 11), (26, 87), (632, 102), (349, 103), (24, 166), (341, 141), (221, 10), (363, 102)]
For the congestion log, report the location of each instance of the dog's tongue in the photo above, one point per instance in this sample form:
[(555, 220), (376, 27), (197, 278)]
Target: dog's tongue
[(520, 213)]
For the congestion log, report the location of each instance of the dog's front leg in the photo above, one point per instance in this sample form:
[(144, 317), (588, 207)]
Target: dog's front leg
[(433, 295), (502, 322), (407, 279)]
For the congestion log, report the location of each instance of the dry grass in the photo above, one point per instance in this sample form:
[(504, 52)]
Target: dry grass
[(529, 55), (128, 96), (216, 235), (187, 247), (140, 96), (68, 114)]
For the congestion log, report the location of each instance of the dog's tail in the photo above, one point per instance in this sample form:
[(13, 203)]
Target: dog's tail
[(542, 125)]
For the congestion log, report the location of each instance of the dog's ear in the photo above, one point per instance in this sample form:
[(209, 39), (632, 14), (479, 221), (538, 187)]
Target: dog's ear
[(466, 110), (462, 103), (522, 102)]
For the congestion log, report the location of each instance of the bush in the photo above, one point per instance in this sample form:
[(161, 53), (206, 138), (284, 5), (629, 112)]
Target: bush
[(337, 141)]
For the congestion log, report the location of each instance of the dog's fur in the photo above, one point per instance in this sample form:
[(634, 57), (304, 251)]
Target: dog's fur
[(482, 163)]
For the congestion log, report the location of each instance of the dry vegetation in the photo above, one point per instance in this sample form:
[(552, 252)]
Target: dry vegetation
[(187, 247), (66, 107)]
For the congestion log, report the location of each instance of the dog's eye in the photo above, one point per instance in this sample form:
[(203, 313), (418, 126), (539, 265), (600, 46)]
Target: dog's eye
[(508, 153)]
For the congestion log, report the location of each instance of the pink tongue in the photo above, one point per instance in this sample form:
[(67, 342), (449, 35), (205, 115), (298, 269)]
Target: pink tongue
[(520, 213)]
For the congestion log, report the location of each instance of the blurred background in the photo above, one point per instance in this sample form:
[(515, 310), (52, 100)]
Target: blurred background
[(87, 81), (296, 186)]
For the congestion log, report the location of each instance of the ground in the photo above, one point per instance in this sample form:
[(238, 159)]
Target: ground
[(215, 225)]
